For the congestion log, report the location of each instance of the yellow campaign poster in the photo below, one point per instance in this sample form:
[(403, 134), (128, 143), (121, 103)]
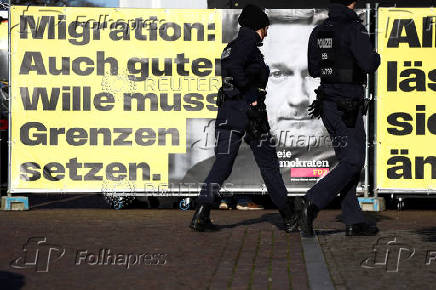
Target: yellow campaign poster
[(406, 99), (101, 95)]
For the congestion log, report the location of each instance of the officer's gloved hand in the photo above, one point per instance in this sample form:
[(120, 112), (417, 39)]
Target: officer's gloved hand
[(261, 95), (315, 109), (259, 103), (220, 97)]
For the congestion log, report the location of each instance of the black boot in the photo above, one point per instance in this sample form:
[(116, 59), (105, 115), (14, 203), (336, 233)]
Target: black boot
[(361, 229), (290, 219), (207, 220), (201, 220), (308, 211)]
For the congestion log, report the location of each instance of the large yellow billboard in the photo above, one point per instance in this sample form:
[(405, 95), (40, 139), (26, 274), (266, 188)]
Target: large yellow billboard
[(406, 99), (101, 95), (124, 100)]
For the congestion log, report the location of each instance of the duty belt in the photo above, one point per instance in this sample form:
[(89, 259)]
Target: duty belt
[(222, 97), (349, 106)]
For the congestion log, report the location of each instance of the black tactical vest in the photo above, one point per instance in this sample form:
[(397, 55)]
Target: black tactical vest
[(337, 64)]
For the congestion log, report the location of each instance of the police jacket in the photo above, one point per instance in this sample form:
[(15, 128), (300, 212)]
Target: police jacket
[(342, 48), (244, 69), (243, 65)]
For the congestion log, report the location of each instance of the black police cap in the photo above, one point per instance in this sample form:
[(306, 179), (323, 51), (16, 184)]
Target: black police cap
[(344, 2), (253, 17)]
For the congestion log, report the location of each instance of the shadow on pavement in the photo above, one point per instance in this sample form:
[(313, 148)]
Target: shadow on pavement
[(45, 201), (372, 217), (427, 234), (271, 218), (329, 232), (11, 281)]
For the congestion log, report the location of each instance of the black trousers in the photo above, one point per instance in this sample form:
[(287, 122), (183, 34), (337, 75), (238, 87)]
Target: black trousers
[(226, 150), (349, 145)]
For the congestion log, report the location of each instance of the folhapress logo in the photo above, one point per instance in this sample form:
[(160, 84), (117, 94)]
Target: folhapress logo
[(388, 254), (105, 257), (38, 254)]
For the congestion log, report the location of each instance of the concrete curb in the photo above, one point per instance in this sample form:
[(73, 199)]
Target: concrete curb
[(316, 267)]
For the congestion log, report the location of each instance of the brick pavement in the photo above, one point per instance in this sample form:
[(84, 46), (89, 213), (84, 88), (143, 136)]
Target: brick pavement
[(249, 252), (394, 259)]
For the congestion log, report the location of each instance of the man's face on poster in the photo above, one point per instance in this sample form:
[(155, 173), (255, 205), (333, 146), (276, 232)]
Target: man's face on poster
[(290, 88)]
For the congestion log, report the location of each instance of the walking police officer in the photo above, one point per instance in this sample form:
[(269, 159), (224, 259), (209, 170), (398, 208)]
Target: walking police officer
[(242, 115), (341, 54)]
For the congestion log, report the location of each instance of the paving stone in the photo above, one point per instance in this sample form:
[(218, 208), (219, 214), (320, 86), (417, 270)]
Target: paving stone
[(206, 260), (409, 229)]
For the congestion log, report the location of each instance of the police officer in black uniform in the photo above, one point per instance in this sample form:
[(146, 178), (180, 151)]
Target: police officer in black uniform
[(242, 115), (341, 54)]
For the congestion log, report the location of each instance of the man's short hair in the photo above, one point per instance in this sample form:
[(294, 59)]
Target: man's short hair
[(276, 16), (297, 16)]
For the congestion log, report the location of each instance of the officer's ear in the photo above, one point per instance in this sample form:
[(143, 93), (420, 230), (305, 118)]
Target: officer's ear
[(263, 32), (352, 5)]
